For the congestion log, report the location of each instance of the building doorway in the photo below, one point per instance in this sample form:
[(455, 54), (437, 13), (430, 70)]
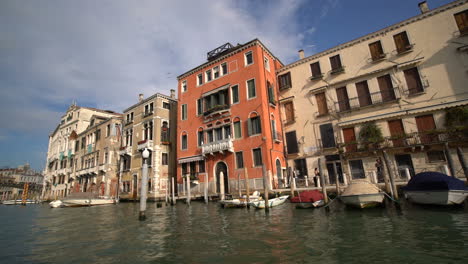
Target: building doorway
[(221, 167), (333, 161), (404, 162)]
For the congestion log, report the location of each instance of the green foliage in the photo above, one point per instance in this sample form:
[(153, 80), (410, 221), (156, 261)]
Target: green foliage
[(456, 117), (370, 133)]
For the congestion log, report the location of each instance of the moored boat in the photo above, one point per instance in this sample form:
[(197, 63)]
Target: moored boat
[(307, 205), (435, 188), (271, 202), (19, 202), (362, 194), (309, 199), (240, 202)]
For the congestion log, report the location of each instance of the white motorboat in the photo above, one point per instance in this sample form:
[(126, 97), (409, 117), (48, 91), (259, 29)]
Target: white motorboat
[(241, 202), (435, 188), (362, 194), (271, 202), (87, 202)]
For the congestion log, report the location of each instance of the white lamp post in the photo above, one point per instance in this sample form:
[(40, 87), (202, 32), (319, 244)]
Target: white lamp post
[(144, 185)]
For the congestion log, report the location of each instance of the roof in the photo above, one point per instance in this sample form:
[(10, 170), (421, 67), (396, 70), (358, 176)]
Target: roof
[(229, 53), (150, 98), (374, 34)]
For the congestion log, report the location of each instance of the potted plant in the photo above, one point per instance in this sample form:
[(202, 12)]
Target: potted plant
[(370, 135)]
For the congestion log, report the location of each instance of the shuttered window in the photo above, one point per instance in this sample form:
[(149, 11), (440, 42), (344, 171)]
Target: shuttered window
[(321, 103), (316, 71), (199, 107), (328, 137), (201, 166), (291, 142), (284, 81), (251, 93), (253, 126), (200, 138), (289, 112), (350, 138), (462, 22), (184, 112), (239, 160), (413, 81), (237, 129), (376, 50), (257, 157), (402, 42), (386, 88), (271, 94), (335, 63), (426, 124), (364, 97), (343, 99), (235, 94), (184, 141)]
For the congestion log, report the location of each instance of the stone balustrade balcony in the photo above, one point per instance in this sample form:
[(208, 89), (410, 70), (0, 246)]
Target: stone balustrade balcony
[(218, 146)]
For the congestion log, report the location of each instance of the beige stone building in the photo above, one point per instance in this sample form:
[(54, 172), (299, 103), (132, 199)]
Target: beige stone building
[(151, 124), (61, 149), (408, 81), (95, 157)]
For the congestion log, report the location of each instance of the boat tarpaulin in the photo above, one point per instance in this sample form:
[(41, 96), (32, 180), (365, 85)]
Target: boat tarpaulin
[(307, 197), (434, 181)]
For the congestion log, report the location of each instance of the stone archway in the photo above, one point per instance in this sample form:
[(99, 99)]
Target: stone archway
[(222, 167)]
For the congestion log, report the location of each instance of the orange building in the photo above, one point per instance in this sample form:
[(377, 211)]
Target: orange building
[(228, 119)]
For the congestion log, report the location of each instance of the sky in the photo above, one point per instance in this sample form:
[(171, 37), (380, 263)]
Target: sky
[(103, 53)]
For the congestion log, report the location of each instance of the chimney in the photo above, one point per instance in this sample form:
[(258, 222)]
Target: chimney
[(172, 93), (140, 97), (301, 54), (423, 7)]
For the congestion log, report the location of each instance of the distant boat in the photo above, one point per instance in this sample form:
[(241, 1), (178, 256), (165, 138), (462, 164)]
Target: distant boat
[(362, 194), (435, 188), (309, 199), (241, 202), (19, 202), (271, 202), (81, 202)]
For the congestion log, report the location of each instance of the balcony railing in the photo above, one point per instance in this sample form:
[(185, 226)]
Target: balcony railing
[(147, 143), (415, 139), (375, 98), (218, 146), (147, 113), (215, 109), (125, 151)]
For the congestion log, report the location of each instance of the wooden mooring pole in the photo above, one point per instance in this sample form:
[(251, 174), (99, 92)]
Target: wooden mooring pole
[(247, 190), (390, 174), (265, 187), (322, 179), (206, 188)]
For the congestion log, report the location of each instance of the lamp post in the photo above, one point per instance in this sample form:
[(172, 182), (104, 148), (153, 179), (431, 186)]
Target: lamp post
[(144, 185)]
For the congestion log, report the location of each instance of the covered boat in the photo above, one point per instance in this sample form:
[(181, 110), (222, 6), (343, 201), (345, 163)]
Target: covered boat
[(435, 188), (271, 202), (309, 199), (362, 194)]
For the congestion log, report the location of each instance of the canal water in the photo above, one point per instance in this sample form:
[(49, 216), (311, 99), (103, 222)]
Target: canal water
[(209, 234)]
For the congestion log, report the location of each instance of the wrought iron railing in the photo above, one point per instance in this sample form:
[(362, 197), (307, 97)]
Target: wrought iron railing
[(369, 99)]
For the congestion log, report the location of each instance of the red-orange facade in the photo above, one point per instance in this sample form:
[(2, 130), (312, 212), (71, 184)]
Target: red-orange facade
[(229, 119)]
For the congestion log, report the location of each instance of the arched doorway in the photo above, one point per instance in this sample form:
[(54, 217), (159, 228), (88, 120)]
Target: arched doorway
[(221, 167), (279, 176)]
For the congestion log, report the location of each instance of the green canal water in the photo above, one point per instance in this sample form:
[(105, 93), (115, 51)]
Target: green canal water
[(210, 234)]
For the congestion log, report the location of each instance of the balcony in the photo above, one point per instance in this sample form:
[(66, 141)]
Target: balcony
[(337, 70), (375, 98), (125, 151), (216, 109), (128, 122), (218, 146), (147, 143), (147, 113)]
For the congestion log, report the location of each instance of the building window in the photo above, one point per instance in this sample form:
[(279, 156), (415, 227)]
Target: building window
[(386, 88), (343, 99), (435, 156), (98, 135), (200, 137), (237, 129), (199, 107), (321, 103), (184, 86), (254, 126), (413, 80), (274, 133), (208, 75), (108, 130), (106, 157), (349, 137), (257, 157), (376, 51), (239, 160), (328, 137), (235, 94), (363, 93), (248, 58), (289, 112), (271, 94), (357, 169), (164, 159), (251, 93), (184, 112), (284, 81), (166, 105), (300, 166), (336, 66), (165, 132), (209, 135), (224, 69), (199, 79), (402, 42), (291, 142), (216, 72), (201, 166), (462, 22), (184, 142), (316, 71), (266, 61)]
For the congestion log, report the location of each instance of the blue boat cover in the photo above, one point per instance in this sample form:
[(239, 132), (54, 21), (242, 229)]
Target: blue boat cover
[(431, 181)]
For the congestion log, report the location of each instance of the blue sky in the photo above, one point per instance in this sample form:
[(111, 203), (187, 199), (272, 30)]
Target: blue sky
[(104, 53)]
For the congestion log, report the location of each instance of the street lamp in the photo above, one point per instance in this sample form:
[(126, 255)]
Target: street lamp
[(144, 184)]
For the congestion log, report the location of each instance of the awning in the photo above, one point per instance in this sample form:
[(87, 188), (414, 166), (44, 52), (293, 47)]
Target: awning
[(437, 107), (190, 159), (216, 90), (372, 118), (410, 63)]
